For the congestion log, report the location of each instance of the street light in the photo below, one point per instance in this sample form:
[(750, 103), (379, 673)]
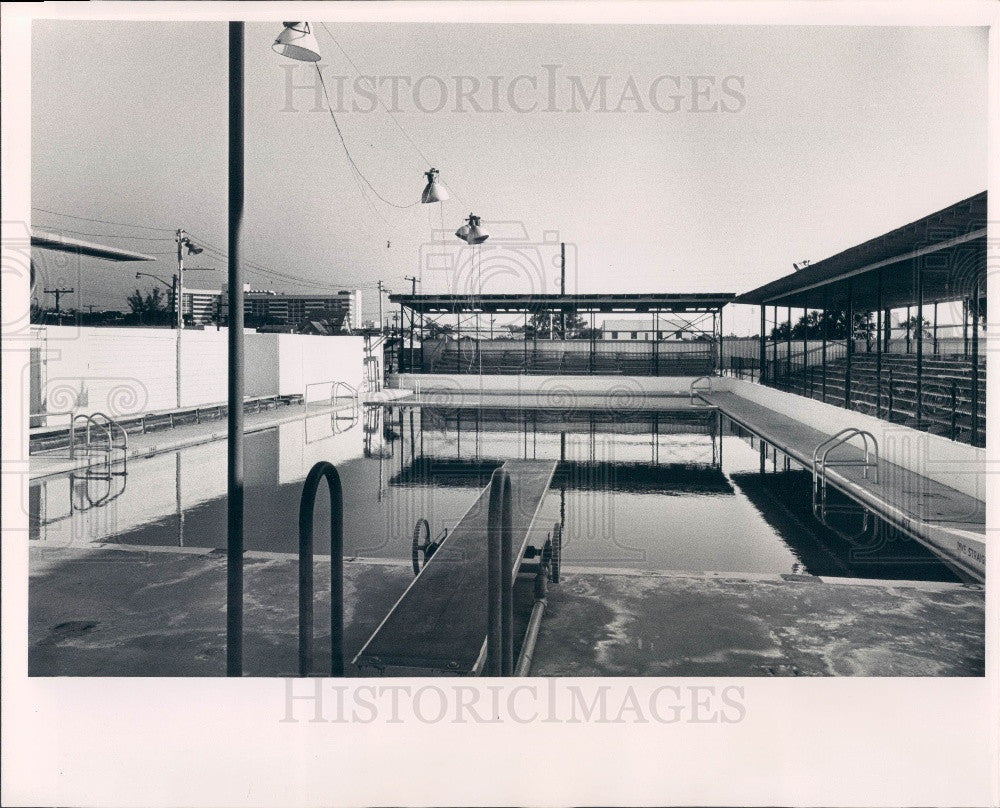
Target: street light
[(171, 286), (297, 42), (472, 232), (435, 190)]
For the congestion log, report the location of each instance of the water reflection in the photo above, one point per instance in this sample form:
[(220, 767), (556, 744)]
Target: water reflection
[(680, 491)]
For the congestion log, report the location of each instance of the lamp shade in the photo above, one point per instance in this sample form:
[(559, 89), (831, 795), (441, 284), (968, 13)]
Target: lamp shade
[(472, 231), (297, 41), (477, 233), (435, 191)]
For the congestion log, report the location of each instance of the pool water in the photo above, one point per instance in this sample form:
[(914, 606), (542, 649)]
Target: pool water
[(686, 491)]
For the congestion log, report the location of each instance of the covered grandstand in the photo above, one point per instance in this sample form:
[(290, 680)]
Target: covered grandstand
[(844, 348), (558, 334)]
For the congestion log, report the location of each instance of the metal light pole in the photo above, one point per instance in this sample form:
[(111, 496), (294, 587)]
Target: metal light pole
[(234, 481)]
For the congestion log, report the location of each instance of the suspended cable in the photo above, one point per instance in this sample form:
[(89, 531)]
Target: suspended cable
[(105, 221), (347, 151), (108, 235), (392, 116)]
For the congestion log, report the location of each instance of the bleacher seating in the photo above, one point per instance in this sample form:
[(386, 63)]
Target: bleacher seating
[(942, 378), (542, 360)]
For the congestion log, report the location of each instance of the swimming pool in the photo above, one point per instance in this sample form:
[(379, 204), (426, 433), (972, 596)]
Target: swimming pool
[(648, 489)]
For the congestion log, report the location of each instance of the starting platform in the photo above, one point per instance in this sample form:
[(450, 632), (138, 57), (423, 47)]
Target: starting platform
[(439, 625)]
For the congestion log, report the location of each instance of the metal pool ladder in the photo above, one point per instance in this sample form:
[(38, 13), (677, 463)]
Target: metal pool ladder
[(822, 462), (694, 389), (115, 439)]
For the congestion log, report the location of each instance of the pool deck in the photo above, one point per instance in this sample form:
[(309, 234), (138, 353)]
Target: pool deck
[(946, 520), (110, 611), (57, 461)]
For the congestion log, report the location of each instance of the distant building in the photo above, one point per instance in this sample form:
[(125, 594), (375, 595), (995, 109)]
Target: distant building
[(341, 310), (201, 306), (640, 330)]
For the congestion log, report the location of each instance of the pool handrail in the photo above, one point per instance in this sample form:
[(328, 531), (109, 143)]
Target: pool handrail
[(824, 448), (321, 470), (693, 387)]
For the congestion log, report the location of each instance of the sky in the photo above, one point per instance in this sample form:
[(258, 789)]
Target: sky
[(719, 155)]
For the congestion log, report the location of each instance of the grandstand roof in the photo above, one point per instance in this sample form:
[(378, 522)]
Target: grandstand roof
[(948, 247), (602, 302)]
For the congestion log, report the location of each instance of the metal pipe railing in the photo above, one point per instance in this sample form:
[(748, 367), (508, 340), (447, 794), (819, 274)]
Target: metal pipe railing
[(500, 578), (321, 470)]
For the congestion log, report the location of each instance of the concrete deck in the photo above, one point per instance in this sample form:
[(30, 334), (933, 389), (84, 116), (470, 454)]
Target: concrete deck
[(653, 624), (946, 520), (57, 461), (161, 612)]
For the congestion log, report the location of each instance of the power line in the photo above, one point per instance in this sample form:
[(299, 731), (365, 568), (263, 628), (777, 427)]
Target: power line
[(104, 221), (109, 235), (266, 271), (357, 71), (347, 151)]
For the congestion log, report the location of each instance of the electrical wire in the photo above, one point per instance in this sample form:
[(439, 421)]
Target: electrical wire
[(260, 269), (104, 221), (108, 235), (357, 71), (347, 151)]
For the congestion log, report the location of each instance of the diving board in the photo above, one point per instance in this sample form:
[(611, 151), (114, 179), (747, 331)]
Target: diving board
[(439, 623)]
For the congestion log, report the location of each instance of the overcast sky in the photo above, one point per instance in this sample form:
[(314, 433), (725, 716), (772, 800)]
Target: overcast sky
[(820, 138)]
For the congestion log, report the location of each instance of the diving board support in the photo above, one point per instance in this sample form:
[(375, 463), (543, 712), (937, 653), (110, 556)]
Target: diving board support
[(499, 579)]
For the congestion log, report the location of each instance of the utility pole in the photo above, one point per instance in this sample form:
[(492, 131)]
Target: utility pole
[(58, 292), (381, 288), (413, 293), (179, 291)]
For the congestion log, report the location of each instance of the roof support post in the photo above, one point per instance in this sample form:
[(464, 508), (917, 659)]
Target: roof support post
[(920, 342), (965, 327), (721, 341), (525, 345), (656, 346), (935, 328), (909, 317), (850, 344), (975, 363), (805, 343), (878, 348), (593, 343), (761, 373), (774, 349), (826, 335)]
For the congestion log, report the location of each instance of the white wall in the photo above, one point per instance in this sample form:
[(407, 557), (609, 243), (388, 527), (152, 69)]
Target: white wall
[(127, 371), (544, 385), (957, 465), (304, 360)]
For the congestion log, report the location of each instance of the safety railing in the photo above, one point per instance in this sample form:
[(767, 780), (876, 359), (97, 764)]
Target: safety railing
[(694, 389), (319, 472), (822, 462), (44, 416)]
